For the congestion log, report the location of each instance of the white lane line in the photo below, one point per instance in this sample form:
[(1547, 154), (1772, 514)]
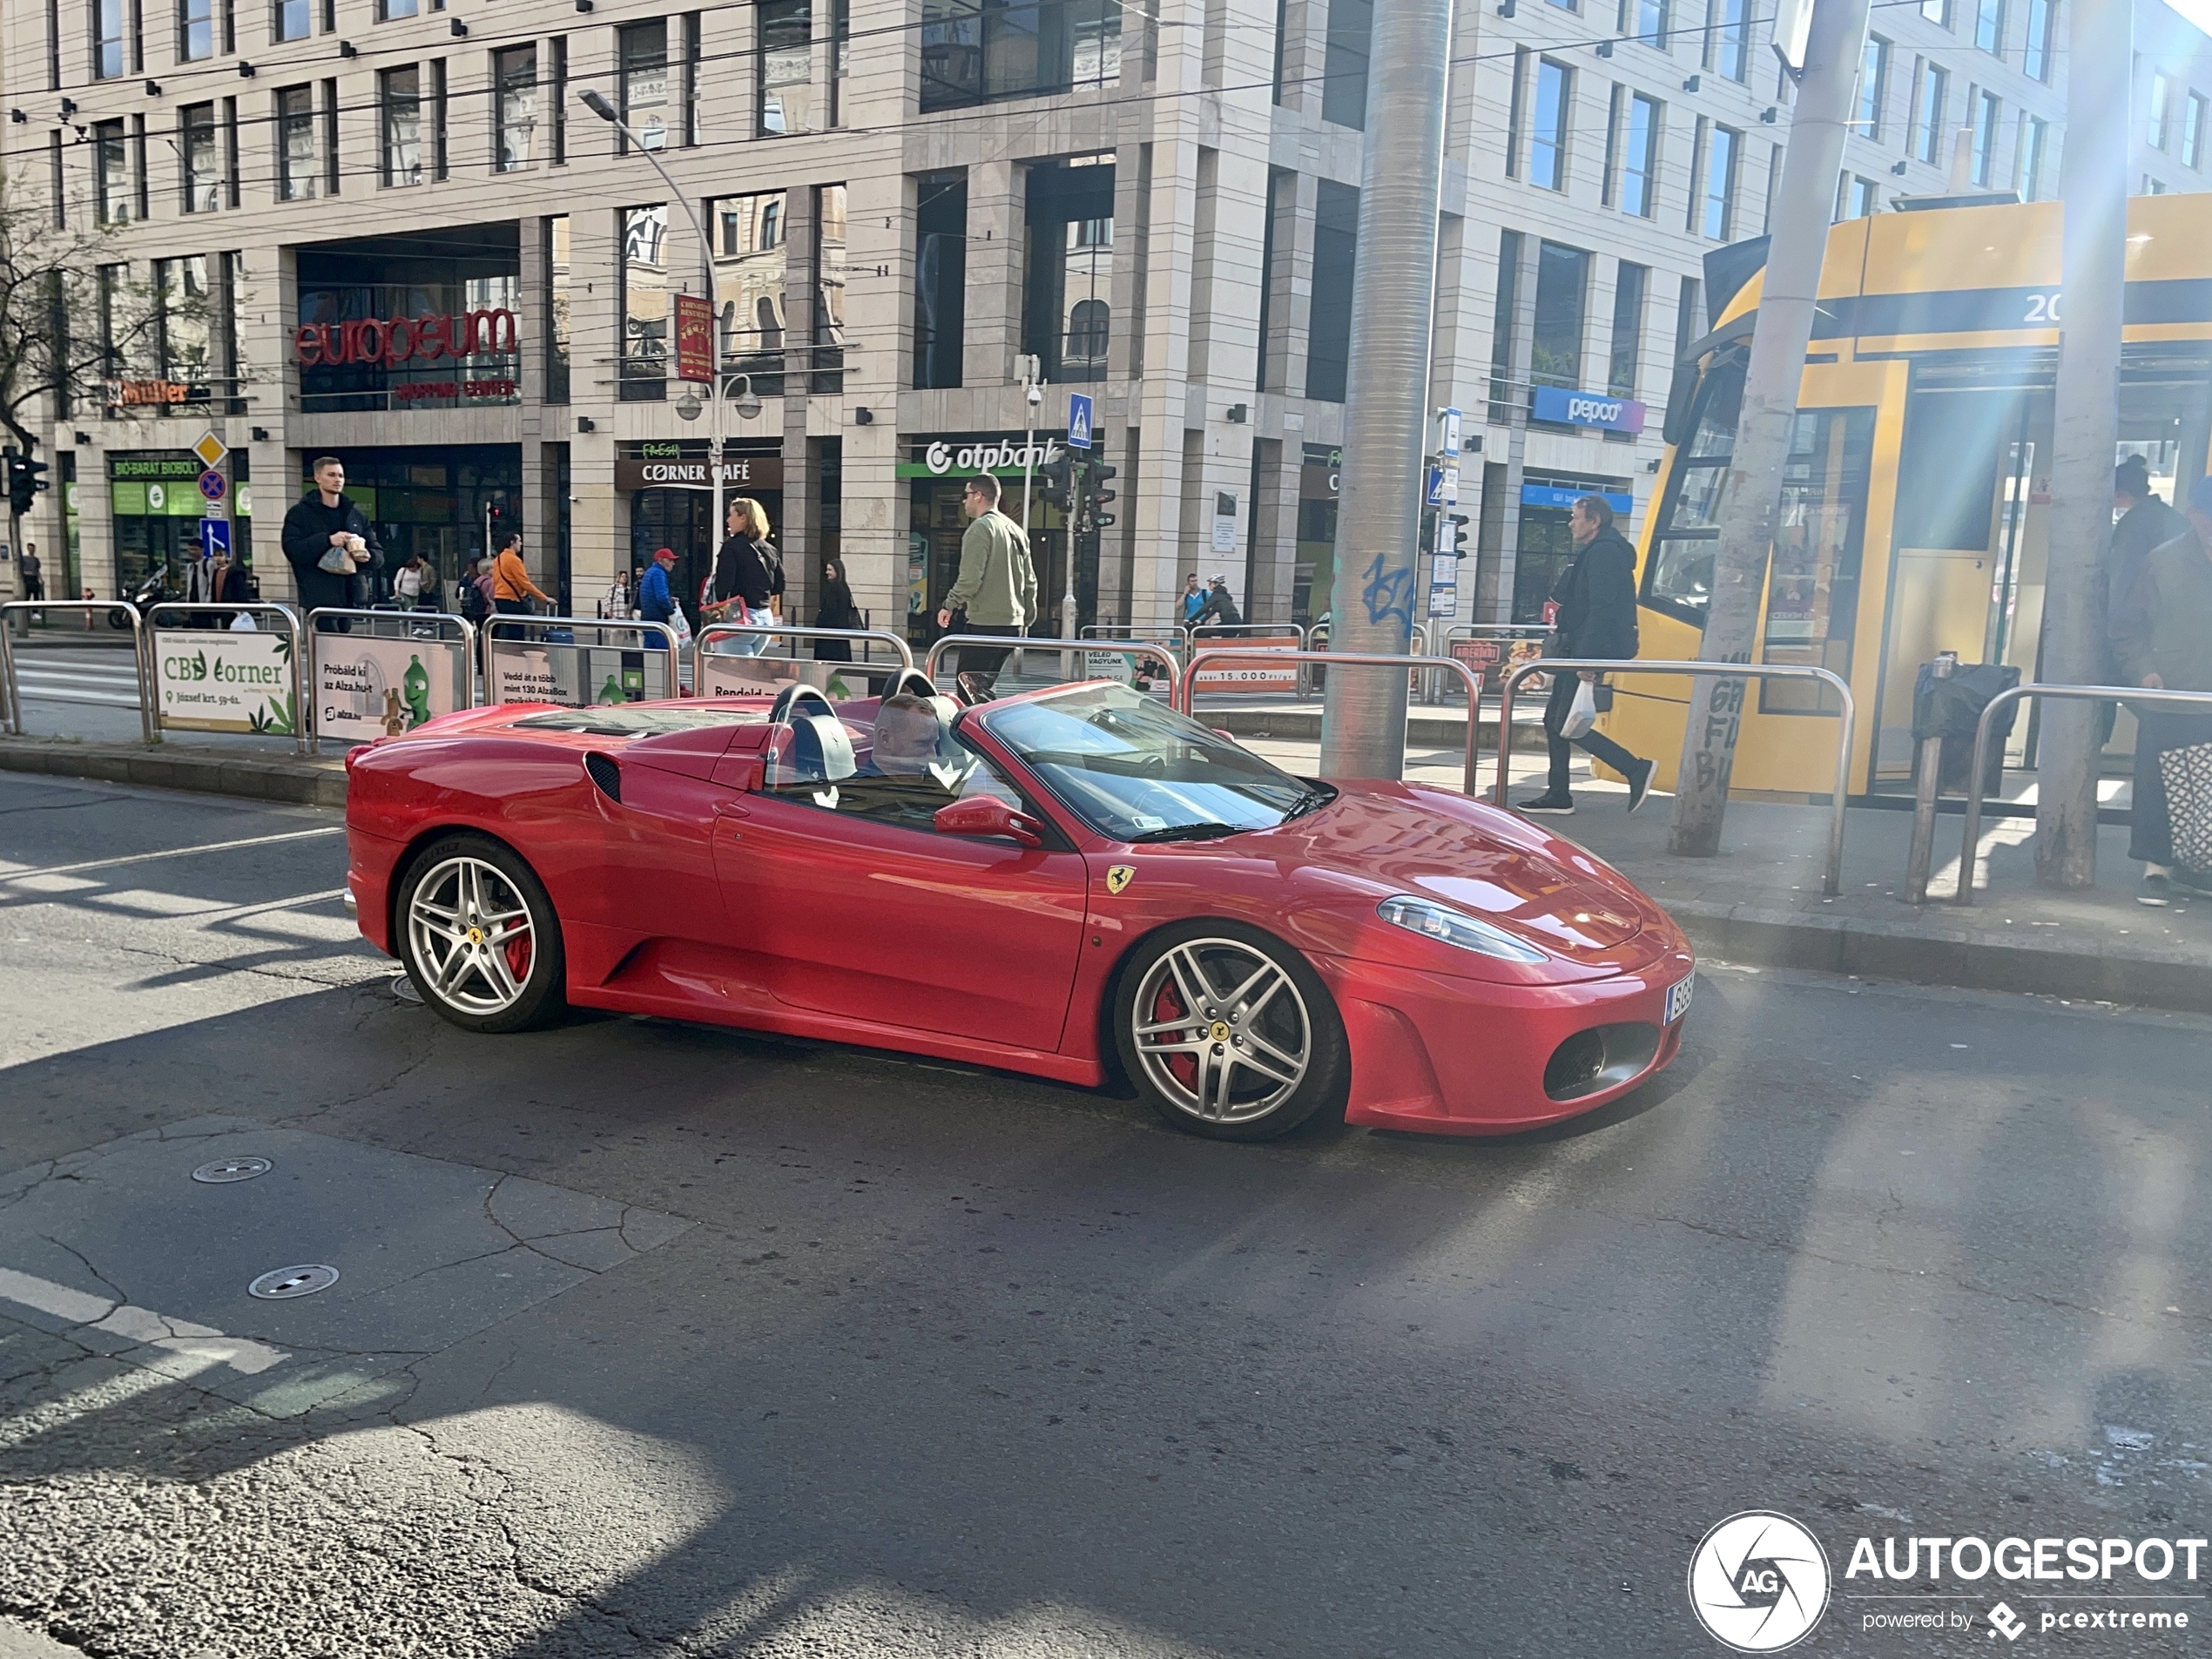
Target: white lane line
[(33, 694), (171, 853)]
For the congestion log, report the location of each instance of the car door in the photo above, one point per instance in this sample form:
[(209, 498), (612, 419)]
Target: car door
[(850, 903)]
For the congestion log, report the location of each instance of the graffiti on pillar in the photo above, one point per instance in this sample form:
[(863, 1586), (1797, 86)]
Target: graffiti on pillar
[(1388, 595)]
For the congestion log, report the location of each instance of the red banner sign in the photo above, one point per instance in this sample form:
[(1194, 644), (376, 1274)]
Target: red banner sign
[(694, 338), (372, 342)]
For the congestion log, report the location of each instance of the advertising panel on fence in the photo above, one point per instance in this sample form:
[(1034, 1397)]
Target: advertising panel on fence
[(367, 689), (729, 676), (1248, 674), (1130, 668), (1494, 658), (215, 680), (532, 670)]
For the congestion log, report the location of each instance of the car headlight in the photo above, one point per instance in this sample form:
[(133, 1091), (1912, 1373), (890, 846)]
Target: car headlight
[(1433, 920)]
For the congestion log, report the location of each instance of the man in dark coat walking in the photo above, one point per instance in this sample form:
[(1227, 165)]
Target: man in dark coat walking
[(1596, 596), (318, 521)]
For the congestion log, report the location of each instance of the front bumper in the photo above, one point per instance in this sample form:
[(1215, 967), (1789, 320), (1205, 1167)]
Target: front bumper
[(1440, 1055)]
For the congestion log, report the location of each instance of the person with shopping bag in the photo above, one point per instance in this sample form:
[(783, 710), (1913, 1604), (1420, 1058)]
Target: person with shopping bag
[(2171, 815), (657, 599), (1596, 597), (748, 577)]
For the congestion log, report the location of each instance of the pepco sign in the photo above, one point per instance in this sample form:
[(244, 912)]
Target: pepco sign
[(1583, 408), (371, 340)]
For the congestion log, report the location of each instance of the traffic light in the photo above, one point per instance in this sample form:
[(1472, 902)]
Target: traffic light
[(23, 481), (1096, 494), (1056, 479)]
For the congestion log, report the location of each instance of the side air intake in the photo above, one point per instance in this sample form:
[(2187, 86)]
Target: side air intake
[(605, 773)]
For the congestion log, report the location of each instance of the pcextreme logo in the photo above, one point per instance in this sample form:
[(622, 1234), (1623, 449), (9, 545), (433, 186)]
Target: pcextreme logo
[(1758, 1582)]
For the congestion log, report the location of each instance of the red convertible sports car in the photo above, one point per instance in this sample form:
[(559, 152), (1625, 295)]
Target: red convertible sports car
[(1075, 882)]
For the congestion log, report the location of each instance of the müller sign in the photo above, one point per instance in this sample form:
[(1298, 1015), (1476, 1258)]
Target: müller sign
[(372, 341)]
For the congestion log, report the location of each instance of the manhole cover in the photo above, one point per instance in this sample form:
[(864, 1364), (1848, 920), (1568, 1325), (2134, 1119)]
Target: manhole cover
[(403, 988), (281, 1284), (225, 1169)]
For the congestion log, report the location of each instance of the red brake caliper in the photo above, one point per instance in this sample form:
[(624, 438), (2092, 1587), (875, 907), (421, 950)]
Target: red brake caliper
[(1167, 1005)]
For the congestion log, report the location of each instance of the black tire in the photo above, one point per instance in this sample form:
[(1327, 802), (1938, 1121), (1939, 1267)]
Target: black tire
[(1224, 1069), (436, 925)]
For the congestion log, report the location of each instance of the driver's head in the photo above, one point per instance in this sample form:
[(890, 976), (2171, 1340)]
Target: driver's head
[(906, 736)]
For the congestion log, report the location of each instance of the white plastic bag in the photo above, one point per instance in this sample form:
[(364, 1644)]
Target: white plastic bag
[(244, 624), (1583, 715), (681, 623)]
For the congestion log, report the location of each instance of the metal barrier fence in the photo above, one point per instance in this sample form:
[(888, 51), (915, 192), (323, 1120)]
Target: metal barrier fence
[(374, 684), (1077, 647), (1356, 659), (703, 660), (527, 671), (1833, 880), (2070, 693), (11, 693), (218, 679)]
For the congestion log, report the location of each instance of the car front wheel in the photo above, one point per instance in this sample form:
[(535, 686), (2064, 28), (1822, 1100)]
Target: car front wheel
[(1230, 1032), (479, 936)]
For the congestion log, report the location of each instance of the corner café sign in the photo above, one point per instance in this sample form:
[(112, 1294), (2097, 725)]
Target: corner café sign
[(374, 342)]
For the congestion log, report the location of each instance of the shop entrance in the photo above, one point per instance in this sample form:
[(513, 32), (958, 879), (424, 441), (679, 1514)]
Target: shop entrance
[(936, 524)]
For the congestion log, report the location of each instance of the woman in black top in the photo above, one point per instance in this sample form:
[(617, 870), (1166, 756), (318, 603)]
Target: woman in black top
[(748, 573), (836, 610)]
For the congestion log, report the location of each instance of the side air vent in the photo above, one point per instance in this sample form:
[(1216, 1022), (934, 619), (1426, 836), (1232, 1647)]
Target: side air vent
[(605, 773)]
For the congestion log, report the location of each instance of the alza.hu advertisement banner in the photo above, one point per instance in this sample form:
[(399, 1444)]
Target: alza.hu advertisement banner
[(217, 680), (370, 688)]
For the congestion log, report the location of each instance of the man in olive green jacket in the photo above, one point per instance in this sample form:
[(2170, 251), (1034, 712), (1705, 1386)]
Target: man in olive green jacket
[(2172, 593), (997, 586)]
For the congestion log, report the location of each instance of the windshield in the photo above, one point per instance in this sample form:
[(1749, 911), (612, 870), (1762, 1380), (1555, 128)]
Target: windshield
[(1134, 770)]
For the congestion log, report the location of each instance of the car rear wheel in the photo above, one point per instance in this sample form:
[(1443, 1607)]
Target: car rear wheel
[(479, 936), (1230, 1032)]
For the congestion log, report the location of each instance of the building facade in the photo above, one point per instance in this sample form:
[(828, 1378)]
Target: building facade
[(392, 231)]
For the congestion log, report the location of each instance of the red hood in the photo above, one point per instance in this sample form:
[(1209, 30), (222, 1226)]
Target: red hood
[(1484, 862)]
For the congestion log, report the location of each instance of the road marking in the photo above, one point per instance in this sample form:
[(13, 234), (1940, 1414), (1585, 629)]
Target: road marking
[(198, 1347), (171, 853)]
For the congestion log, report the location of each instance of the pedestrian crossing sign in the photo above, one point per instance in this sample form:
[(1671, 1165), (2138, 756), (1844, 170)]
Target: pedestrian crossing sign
[(1078, 421)]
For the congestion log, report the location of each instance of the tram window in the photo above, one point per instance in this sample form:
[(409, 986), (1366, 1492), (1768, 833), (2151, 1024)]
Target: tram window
[(1813, 593), (1678, 577)]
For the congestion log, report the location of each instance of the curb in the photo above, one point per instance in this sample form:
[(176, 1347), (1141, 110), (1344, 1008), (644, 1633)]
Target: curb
[(297, 783)]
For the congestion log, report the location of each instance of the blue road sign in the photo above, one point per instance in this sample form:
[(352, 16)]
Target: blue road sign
[(1079, 420), (214, 536), (1433, 495), (212, 484)]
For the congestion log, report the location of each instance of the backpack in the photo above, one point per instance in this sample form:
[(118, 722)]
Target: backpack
[(472, 607)]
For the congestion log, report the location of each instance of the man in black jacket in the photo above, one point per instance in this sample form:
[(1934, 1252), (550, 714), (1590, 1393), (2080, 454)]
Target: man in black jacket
[(1596, 597), (318, 521)]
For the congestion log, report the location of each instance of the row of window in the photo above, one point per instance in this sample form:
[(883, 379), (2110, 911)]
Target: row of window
[(183, 325), (1991, 24), (2176, 125), (1557, 319)]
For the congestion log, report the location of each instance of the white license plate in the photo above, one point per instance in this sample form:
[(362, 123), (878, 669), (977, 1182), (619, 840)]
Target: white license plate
[(1679, 998)]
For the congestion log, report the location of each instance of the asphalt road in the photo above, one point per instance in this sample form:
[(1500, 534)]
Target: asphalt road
[(656, 1340)]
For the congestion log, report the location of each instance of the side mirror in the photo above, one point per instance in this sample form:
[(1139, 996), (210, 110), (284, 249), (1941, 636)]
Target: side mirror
[(987, 815)]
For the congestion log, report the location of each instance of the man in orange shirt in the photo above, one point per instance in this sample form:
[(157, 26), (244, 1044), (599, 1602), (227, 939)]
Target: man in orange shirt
[(511, 587)]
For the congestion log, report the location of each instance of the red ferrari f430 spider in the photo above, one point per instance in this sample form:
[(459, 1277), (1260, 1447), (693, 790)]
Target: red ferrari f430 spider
[(1076, 882)]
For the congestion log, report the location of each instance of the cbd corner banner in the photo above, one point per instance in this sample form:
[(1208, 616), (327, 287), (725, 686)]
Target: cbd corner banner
[(219, 681), (373, 688)]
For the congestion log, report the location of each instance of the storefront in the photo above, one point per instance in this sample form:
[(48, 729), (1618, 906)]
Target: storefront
[(672, 503), (447, 503), (937, 471), (398, 323), (1546, 547), (153, 496), (1315, 572)]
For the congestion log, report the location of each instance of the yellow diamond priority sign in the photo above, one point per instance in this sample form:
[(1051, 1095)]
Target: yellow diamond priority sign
[(210, 449)]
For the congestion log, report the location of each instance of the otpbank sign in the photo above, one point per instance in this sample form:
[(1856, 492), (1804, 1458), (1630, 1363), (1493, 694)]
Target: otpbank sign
[(1567, 407)]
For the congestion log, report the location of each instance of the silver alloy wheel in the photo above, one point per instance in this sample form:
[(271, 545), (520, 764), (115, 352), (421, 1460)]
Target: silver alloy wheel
[(472, 938), (1221, 1030)]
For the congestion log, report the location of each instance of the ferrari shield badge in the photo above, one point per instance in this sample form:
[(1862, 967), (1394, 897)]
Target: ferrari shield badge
[(1119, 876)]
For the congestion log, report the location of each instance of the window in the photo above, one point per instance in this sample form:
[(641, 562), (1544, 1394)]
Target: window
[(1813, 589), (1986, 109), (690, 78), (2035, 56), (2028, 165), (399, 99), (1629, 291), (750, 266), (1865, 198), (1989, 26), (1562, 300), (975, 54), (1614, 101), (113, 282), (1068, 216), (439, 157), (2154, 129), (1937, 11), (1344, 71), (1873, 87), (645, 303), (1548, 144), (229, 318), (644, 51), (940, 278), (1336, 254), (1517, 111), (1646, 21), (292, 19), (559, 98), (830, 276), (112, 160), (388, 9), (840, 57), (2194, 116), (1504, 321), (559, 319), (108, 60), (1688, 328), (1640, 158), (183, 319), (297, 168), (1726, 35), (196, 146), (1934, 93), (787, 67), (514, 73), (233, 183), (1722, 158), (195, 30), (2152, 186)]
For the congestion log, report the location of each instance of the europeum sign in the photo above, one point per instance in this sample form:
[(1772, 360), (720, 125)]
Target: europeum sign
[(372, 341)]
